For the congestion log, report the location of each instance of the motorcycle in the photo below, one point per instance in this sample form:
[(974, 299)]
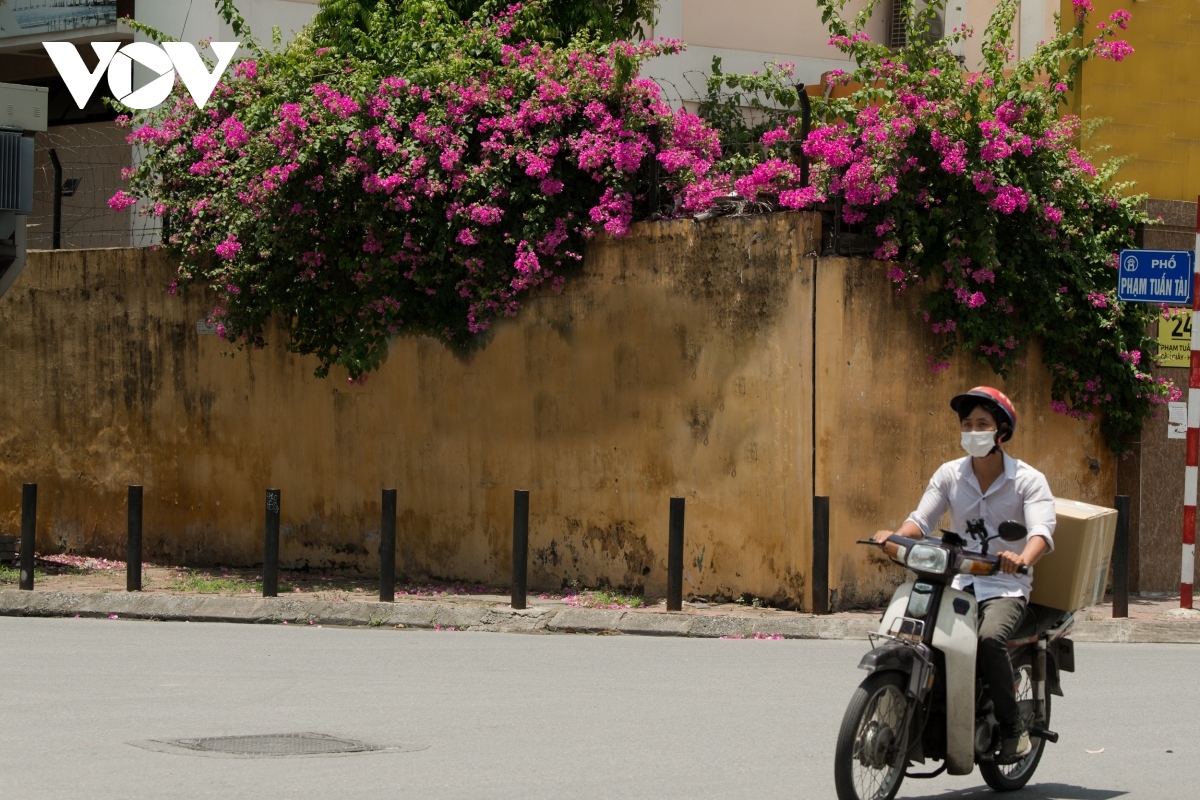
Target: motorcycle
[(922, 700)]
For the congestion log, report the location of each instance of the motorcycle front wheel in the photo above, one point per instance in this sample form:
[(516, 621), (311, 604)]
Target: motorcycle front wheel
[(870, 756), (1010, 777)]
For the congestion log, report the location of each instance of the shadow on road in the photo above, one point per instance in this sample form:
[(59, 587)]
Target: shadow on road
[(1041, 791)]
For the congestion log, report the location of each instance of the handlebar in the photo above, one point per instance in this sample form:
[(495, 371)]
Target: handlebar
[(1021, 570)]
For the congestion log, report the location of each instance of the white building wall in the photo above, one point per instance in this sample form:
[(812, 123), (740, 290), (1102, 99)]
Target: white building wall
[(747, 36)]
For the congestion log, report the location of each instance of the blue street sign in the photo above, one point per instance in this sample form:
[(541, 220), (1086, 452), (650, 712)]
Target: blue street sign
[(1156, 276)]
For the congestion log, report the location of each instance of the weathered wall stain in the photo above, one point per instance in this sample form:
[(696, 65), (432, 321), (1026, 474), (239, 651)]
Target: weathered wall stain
[(884, 423)]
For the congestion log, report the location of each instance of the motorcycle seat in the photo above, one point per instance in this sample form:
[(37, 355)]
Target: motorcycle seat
[(1038, 620)]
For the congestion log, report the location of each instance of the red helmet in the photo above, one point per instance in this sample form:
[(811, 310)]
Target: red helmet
[(993, 398)]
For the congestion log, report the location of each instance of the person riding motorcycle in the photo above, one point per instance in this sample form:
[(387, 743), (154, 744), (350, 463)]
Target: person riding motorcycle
[(982, 490)]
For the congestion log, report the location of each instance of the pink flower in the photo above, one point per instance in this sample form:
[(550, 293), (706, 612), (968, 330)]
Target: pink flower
[(527, 260), (121, 201), (229, 248), (1116, 50), (485, 215), (341, 105), (1134, 356), (614, 212), (771, 138), (235, 132), (984, 181), (1009, 199), (799, 198)]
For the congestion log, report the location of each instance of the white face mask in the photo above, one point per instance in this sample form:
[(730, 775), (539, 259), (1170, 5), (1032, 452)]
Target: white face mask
[(978, 443)]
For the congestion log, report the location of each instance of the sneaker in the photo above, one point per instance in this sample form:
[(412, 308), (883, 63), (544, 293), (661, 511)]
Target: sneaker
[(1014, 748)]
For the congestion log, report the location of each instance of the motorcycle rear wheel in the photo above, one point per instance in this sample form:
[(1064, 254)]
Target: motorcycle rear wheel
[(869, 760), (1010, 777)]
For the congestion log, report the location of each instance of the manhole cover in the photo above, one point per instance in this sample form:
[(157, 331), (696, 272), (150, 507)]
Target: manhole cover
[(271, 745), (279, 744)]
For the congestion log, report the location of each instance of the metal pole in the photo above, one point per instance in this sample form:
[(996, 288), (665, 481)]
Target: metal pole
[(133, 545), (1120, 559), (28, 532), (837, 225), (270, 584), (520, 548), (1187, 569), (58, 180), (652, 195), (820, 556), (675, 556), (805, 127), (387, 548)]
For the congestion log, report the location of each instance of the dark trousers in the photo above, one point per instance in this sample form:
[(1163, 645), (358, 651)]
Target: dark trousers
[(998, 618)]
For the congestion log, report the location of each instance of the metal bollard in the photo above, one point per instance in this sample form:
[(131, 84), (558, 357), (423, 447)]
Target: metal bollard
[(520, 548), (675, 556), (56, 230), (270, 583), (820, 556), (1120, 559), (133, 542), (28, 533), (387, 548)]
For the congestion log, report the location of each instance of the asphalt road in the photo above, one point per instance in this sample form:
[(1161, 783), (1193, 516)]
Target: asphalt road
[(515, 716)]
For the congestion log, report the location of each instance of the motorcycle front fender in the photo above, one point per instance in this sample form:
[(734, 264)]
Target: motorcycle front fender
[(956, 637), (890, 657)]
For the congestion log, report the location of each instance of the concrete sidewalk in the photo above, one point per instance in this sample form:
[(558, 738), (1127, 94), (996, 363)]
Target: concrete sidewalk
[(492, 613)]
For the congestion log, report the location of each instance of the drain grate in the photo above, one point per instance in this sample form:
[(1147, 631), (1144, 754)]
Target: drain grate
[(279, 744)]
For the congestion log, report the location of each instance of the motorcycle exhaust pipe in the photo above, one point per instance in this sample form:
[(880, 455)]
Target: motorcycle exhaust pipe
[(1044, 735)]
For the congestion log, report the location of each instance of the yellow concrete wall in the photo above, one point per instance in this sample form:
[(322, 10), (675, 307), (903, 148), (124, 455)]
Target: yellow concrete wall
[(884, 425), (1152, 98), (677, 364)]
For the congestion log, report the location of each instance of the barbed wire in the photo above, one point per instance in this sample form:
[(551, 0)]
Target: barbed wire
[(91, 157)]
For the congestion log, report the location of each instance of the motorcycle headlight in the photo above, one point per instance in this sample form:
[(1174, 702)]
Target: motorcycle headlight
[(928, 558)]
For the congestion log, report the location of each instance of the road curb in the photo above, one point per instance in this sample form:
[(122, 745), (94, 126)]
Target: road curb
[(501, 619)]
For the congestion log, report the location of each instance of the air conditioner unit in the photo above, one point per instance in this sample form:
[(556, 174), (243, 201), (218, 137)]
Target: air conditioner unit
[(22, 112)]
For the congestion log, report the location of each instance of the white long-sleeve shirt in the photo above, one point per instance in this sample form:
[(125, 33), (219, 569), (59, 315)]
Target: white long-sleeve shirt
[(1020, 493)]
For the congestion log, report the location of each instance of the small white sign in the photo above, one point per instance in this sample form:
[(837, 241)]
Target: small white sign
[(1176, 420), (206, 328)]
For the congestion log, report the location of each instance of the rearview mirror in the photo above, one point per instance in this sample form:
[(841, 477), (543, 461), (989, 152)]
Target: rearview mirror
[(1013, 531)]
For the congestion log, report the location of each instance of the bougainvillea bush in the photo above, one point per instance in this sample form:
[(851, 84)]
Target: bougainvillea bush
[(424, 180), (975, 185), (418, 172)]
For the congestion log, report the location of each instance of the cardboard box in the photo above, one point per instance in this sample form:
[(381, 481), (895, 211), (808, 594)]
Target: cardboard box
[(1075, 574)]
